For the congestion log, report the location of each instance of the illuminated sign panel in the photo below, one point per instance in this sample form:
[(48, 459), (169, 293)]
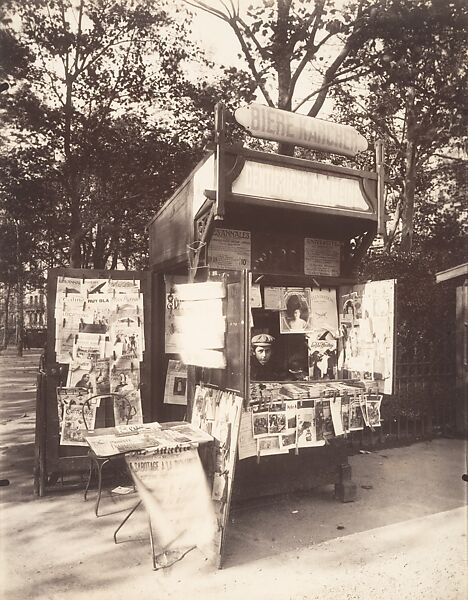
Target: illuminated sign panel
[(284, 126)]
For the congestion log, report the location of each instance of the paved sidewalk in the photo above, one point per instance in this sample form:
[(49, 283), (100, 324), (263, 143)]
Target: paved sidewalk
[(404, 538)]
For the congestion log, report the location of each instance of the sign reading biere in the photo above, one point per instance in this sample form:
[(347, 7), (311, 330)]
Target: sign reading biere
[(284, 126)]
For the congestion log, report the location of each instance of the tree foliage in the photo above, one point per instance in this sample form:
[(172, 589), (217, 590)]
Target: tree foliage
[(414, 97), (102, 90), (297, 50)]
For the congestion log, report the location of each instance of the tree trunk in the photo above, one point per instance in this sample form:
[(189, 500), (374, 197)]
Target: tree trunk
[(76, 234), (6, 318), (99, 259), (410, 175), (408, 213), (19, 316), (283, 68)]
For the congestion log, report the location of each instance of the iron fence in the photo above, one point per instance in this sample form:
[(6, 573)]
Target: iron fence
[(423, 406)]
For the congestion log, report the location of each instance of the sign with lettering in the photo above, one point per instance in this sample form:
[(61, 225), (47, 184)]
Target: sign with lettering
[(321, 257), (287, 184), (284, 126), (229, 249)]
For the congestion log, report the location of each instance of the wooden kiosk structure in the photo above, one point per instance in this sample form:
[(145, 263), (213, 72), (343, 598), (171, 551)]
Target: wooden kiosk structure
[(241, 233), (257, 221)]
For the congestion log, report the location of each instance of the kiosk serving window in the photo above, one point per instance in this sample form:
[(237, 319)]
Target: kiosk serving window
[(315, 334)]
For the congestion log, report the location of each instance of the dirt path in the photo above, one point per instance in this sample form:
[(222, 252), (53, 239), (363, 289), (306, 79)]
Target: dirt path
[(405, 537)]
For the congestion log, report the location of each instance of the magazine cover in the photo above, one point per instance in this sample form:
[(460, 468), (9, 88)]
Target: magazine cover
[(73, 426), (69, 397), (326, 421), (100, 376), (89, 346), (288, 440), (296, 316), (175, 390), (356, 421), (129, 304), (270, 445), (127, 410), (260, 424), (319, 426), (124, 286), (322, 358), (291, 414), (363, 403), (97, 312), (125, 375), (345, 413), (323, 310), (247, 443), (79, 375), (126, 337), (64, 342), (68, 285), (277, 422), (306, 435), (373, 410)]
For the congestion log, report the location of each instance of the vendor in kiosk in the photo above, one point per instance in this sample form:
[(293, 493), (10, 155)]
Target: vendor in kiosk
[(261, 363)]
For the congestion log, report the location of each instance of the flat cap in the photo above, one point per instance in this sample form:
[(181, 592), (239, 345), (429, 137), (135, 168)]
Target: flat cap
[(262, 339)]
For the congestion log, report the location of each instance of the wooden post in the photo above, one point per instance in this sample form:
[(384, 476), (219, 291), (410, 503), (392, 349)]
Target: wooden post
[(380, 168), (220, 170)]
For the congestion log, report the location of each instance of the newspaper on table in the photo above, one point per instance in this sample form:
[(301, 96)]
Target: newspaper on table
[(128, 438)]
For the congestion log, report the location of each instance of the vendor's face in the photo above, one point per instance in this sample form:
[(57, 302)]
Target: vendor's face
[(262, 354)]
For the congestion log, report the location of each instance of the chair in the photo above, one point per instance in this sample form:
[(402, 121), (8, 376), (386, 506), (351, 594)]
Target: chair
[(96, 461)]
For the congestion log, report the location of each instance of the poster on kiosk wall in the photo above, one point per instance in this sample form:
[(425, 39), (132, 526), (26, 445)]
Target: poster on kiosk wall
[(367, 315)]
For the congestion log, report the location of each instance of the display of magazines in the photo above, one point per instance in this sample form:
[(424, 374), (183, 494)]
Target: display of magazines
[(99, 334), (293, 415)]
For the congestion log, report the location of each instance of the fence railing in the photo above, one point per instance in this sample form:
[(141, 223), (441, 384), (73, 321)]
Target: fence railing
[(423, 405)]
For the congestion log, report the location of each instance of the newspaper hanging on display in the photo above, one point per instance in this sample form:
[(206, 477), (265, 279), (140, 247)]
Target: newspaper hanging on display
[(174, 491), (195, 322), (99, 334), (367, 314), (218, 412)]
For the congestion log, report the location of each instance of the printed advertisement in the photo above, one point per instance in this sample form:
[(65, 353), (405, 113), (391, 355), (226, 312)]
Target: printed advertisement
[(230, 249), (322, 257), (175, 391)]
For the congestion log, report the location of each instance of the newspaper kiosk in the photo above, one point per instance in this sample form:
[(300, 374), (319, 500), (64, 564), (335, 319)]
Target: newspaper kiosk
[(256, 254)]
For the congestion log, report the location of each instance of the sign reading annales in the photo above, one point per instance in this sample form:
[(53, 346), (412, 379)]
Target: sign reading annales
[(230, 249), (321, 257)]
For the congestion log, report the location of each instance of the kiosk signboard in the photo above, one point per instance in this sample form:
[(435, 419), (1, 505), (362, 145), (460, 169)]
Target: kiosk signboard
[(284, 126)]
